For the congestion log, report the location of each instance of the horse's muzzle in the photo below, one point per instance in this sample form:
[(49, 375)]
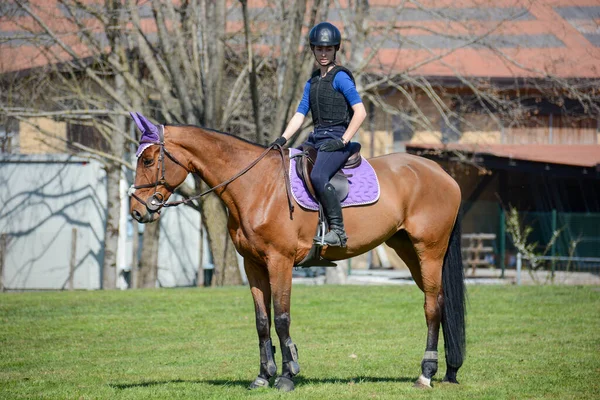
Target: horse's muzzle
[(146, 217)]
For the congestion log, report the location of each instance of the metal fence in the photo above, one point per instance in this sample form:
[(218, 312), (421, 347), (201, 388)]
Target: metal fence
[(577, 247)]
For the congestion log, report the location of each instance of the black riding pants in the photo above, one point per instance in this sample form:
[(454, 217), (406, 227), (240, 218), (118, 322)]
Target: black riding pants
[(328, 162)]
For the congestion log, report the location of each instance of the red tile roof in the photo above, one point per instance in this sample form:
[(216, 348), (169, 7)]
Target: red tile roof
[(574, 155), (525, 38), (521, 38)]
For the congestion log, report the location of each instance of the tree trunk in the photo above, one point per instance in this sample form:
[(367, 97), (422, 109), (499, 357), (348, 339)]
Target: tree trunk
[(135, 262), (252, 75), (214, 222), (148, 269), (201, 250), (213, 210), (224, 257), (111, 236), (294, 65), (288, 74), (113, 180), (357, 29), (214, 61)]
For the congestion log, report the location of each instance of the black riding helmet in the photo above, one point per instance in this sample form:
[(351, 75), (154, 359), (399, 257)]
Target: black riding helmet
[(325, 34)]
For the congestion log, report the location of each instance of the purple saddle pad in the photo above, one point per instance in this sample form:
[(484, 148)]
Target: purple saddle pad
[(363, 186)]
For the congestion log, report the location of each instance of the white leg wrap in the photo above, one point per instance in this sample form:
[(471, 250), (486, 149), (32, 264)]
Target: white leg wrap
[(430, 355), (424, 381)]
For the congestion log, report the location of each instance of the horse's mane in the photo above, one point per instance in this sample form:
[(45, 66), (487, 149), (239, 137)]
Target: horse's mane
[(217, 131)]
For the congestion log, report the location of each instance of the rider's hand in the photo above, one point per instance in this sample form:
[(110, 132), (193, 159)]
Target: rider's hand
[(279, 141), (333, 145)]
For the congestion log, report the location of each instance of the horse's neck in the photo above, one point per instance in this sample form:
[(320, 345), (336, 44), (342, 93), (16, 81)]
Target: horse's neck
[(217, 157)]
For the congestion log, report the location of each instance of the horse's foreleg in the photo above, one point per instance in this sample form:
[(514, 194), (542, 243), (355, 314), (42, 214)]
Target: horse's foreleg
[(258, 279), (281, 286)]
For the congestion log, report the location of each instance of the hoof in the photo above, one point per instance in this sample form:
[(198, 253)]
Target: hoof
[(450, 380), (259, 383), (450, 376), (284, 384), (423, 383)]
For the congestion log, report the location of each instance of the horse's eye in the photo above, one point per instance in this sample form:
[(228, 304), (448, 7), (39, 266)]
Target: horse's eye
[(148, 162)]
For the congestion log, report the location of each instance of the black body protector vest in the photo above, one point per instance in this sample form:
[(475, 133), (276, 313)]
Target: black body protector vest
[(328, 106)]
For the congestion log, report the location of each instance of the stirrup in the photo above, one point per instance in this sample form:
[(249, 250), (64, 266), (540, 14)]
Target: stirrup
[(333, 239)]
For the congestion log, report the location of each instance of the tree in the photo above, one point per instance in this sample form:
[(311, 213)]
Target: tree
[(187, 62), (99, 67)]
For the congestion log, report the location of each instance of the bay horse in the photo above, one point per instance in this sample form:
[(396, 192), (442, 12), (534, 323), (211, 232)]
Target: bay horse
[(417, 215)]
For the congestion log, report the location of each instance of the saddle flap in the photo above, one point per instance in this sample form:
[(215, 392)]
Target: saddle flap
[(341, 185), (305, 162)]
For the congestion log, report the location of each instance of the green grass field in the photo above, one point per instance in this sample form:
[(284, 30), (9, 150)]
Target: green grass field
[(354, 342)]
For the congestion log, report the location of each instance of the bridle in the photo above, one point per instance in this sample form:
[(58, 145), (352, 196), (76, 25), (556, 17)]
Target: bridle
[(157, 201)]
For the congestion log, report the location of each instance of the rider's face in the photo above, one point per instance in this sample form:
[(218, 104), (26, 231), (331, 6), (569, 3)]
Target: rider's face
[(324, 54)]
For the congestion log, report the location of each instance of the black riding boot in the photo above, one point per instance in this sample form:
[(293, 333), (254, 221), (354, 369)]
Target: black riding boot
[(333, 211)]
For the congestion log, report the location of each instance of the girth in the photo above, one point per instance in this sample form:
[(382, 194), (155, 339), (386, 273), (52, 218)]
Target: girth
[(305, 162)]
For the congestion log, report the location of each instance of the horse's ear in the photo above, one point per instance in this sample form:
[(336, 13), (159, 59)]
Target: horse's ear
[(136, 120), (150, 127), (144, 125)]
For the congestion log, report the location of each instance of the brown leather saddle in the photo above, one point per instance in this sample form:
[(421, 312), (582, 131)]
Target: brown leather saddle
[(305, 161)]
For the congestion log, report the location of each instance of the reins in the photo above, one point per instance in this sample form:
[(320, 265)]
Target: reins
[(157, 199)]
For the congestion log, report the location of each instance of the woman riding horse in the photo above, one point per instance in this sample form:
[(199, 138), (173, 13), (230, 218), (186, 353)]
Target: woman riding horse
[(337, 112), (416, 215)]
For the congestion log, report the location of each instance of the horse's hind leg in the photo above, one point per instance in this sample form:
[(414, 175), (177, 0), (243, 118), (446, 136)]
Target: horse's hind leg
[(425, 264), (431, 270), (281, 286), (261, 293)]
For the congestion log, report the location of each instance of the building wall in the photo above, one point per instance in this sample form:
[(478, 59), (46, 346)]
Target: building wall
[(179, 246), (32, 141), (428, 126), (54, 216), (49, 201), (554, 129)]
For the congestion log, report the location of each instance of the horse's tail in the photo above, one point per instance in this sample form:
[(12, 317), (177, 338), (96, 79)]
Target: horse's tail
[(453, 314)]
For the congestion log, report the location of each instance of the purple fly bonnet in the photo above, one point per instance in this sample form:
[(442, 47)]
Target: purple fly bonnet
[(150, 132)]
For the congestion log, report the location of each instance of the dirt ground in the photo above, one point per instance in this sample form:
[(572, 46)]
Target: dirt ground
[(482, 276)]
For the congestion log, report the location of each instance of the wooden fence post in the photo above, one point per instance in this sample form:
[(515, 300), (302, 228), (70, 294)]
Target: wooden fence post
[(475, 254), (2, 259), (73, 257)]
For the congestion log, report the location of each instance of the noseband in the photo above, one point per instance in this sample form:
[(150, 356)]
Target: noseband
[(157, 201)]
